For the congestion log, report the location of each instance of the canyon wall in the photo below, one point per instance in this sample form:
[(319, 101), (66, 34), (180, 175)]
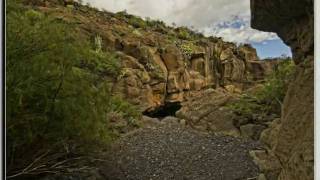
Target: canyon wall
[(171, 72), (160, 63), (291, 140), (163, 64)]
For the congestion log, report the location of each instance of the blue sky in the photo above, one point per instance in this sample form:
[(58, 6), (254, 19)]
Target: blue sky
[(238, 30), (229, 19), (272, 48)]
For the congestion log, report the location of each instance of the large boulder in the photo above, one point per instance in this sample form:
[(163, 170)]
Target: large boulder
[(267, 163), (206, 112), (251, 131)]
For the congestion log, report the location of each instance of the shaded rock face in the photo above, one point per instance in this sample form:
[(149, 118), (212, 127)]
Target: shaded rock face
[(291, 20), (292, 137), (210, 112)]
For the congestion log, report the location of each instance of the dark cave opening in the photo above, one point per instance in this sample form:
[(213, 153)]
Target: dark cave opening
[(168, 109)]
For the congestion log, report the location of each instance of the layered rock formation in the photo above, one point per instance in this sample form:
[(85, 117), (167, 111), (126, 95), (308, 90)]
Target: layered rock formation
[(163, 64), (171, 71), (291, 138)]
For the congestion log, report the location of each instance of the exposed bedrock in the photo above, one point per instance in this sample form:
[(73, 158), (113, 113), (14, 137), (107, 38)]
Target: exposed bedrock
[(291, 139), (164, 64), (169, 72)]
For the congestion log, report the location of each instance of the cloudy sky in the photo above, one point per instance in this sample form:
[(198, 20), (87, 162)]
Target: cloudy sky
[(229, 19)]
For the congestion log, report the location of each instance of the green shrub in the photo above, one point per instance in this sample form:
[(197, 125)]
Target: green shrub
[(137, 22), (155, 23), (121, 14), (246, 106), (125, 109), (276, 85), (102, 63), (56, 91), (183, 33), (268, 99), (187, 49)]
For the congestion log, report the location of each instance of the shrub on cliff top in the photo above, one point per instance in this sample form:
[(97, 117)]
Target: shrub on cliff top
[(137, 22), (183, 33)]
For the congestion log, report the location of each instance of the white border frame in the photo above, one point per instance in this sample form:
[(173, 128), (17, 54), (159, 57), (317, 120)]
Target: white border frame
[(316, 89)]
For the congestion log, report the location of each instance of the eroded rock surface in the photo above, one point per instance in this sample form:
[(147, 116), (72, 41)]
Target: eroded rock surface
[(291, 138), (159, 65), (209, 111)]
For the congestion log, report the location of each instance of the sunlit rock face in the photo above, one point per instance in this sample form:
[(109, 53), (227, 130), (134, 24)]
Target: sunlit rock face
[(165, 73), (292, 138), (164, 64)]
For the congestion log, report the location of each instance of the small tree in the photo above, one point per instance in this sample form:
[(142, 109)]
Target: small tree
[(58, 99)]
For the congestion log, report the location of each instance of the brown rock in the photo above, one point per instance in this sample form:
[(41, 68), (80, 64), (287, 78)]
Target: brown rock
[(205, 112), (293, 143), (248, 52), (172, 58), (269, 135), (251, 131), (268, 164)]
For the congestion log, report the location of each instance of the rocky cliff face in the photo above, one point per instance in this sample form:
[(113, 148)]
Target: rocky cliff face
[(164, 64), (291, 138)]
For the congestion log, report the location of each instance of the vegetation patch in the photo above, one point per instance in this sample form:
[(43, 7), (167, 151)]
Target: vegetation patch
[(267, 99), (183, 33), (58, 100), (187, 48)]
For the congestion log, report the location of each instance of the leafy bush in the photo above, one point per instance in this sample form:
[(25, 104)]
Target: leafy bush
[(122, 14), (187, 48), (183, 33), (246, 106), (269, 98), (155, 23), (137, 22), (277, 83), (56, 91)]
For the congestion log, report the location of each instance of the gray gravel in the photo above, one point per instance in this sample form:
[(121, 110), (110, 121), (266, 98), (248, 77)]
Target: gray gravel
[(172, 152)]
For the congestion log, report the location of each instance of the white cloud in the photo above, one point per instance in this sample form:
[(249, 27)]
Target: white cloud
[(204, 15), (246, 35), (238, 30)]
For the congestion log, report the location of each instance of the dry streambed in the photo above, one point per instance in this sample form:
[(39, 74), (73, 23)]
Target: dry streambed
[(168, 150)]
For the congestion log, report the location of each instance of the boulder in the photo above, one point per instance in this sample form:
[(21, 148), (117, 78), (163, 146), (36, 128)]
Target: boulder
[(170, 120), (149, 122), (267, 163), (251, 131), (206, 112), (269, 136)]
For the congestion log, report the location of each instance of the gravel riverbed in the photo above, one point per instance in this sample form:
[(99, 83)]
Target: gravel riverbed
[(170, 151)]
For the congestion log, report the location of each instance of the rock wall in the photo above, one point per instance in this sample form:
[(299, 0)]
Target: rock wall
[(291, 139), (160, 63), (159, 70), (165, 73)]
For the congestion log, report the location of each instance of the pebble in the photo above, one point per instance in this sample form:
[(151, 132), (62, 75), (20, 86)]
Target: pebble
[(175, 152)]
